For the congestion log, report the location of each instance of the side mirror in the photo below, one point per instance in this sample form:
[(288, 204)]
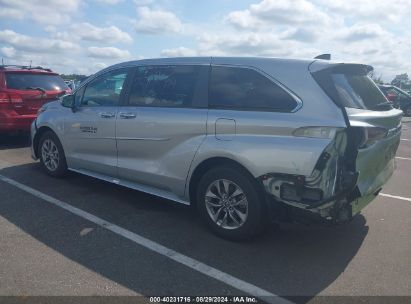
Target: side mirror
[(68, 101)]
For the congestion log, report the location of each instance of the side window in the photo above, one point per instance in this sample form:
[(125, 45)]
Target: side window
[(105, 90), (165, 86), (243, 88), (79, 95)]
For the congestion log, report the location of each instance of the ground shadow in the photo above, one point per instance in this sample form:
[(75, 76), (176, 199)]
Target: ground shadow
[(296, 260), (15, 141)]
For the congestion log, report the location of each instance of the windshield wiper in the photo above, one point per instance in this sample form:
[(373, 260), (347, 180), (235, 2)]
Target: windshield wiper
[(37, 89)]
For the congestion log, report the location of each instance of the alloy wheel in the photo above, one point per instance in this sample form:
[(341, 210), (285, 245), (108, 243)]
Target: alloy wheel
[(50, 155), (226, 204)]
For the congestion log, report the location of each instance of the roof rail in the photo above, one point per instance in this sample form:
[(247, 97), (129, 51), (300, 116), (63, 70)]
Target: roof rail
[(25, 67)]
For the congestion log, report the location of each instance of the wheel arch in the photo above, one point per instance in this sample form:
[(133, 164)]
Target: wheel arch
[(209, 163), (37, 136)]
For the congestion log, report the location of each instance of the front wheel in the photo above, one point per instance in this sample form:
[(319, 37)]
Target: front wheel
[(52, 158), (230, 203)]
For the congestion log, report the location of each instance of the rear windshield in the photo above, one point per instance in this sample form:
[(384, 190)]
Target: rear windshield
[(25, 81), (359, 91)]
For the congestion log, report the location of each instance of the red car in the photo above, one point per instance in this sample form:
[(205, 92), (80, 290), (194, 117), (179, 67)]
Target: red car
[(23, 90)]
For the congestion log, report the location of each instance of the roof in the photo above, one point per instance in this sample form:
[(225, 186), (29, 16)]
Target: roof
[(23, 68), (296, 64), (217, 60)]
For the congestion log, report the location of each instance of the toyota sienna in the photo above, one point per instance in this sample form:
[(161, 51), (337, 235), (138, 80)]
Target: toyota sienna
[(241, 139)]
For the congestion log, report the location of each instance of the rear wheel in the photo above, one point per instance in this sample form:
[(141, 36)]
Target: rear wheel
[(52, 158), (230, 203), (407, 111)]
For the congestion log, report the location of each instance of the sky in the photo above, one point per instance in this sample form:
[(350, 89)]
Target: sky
[(84, 36)]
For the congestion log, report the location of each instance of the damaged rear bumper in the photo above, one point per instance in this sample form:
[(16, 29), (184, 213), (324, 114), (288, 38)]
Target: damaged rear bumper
[(334, 193)]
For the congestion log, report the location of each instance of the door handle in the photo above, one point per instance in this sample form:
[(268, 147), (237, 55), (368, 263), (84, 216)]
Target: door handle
[(127, 115), (107, 115)]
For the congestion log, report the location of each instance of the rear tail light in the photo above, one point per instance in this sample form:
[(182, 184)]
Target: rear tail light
[(10, 98), (15, 98), (372, 135), (316, 132), (4, 98)]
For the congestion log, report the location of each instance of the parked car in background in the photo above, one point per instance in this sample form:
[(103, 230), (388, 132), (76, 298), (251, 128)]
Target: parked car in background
[(400, 98), (23, 91), (71, 84), (239, 138)]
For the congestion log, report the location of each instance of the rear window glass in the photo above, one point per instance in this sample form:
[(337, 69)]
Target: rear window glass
[(23, 81), (359, 91), (246, 89)]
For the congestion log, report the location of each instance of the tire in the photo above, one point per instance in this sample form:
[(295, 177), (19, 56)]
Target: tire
[(52, 158), (244, 219), (407, 111)]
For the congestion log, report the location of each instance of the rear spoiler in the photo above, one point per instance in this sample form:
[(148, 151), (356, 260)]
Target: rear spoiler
[(323, 56), (339, 68)]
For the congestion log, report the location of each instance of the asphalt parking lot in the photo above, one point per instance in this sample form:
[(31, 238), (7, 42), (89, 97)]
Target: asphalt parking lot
[(79, 236)]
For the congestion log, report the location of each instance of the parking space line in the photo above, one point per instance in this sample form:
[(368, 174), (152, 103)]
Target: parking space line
[(396, 196), (156, 247), (404, 139), (405, 158)]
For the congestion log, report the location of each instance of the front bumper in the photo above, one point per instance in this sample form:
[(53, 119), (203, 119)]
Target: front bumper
[(18, 123)]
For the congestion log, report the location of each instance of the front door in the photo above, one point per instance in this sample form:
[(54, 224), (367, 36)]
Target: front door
[(163, 124), (90, 130)]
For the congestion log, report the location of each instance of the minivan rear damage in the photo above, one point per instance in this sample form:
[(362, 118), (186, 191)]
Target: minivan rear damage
[(327, 191), (359, 159)]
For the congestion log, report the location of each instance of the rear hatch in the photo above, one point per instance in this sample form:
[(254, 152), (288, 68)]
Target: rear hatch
[(370, 115), (28, 90)]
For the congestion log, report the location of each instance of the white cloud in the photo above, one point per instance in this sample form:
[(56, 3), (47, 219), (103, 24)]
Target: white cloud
[(110, 2), (108, 53), (89, 32), (151, 21), (361, 32), (373, 32), (246, 44), (41, 11), (301, 34), (7, 12), (278, 12), (372, 10), (143, 2), (35, 45), (179, 52), (8, 52), (99, 65)]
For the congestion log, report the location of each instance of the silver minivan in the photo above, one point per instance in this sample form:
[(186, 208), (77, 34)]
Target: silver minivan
[(244, 140)]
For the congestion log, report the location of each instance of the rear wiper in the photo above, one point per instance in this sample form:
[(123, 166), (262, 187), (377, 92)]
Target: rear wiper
[(37, 89)]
